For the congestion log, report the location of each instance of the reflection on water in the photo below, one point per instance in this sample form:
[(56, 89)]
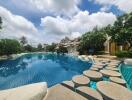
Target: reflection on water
[(32, 68)]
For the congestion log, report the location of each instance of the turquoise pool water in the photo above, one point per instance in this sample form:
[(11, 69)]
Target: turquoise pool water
[(126, 71), (33, 68)]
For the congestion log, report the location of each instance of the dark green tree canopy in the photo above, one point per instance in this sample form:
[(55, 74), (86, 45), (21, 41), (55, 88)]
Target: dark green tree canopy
[(92, 40), (0, 23), (23, 40), (9, 46), (121, 32)]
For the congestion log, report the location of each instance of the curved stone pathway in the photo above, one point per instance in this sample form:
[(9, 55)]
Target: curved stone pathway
[(113, 91), (111, 68), (81, 80), (90, 93), (68, 84), (94, 69), (98, 66), (110, 73), (93, 75), (118, 80)]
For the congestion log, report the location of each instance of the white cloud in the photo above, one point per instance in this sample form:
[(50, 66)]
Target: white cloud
[(56, 7), (123, 5), (77, 25), (15, 26)]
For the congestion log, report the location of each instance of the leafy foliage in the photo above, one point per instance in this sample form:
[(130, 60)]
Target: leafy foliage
[(92, 40), (62, 49), (40, 47), (122, 54), (9, 46), (121, 32), (51, 48), (0, 23), (23, 40)]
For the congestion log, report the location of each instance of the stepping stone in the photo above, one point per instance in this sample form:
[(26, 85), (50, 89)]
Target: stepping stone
[(80, 80), (89, 93), (60, 92), (94, 69), (113, 91), (111, 68), (69, 84), (93, 75), (97, 66), (112, 64), (110, 73), (118, 80)]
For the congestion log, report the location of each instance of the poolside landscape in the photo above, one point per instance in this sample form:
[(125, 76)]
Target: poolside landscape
[(65, 50)]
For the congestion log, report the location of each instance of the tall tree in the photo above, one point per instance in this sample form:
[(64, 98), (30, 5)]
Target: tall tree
[(39, 46), (122, 30), (0, 23), (23, 40)]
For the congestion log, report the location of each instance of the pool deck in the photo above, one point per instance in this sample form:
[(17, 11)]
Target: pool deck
[(79, 87), (106, 67)]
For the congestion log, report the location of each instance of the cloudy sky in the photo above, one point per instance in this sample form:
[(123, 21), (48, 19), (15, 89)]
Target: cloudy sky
[(47, 21)]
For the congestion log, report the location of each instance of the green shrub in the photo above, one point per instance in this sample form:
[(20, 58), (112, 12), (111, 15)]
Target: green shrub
[(122, 54), (9, 46)]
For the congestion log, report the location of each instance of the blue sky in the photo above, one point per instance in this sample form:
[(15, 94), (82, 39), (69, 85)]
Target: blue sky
[(48, 21)]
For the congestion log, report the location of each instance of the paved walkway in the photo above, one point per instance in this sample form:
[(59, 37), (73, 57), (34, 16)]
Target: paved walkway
[(113, 91), (106, 90)]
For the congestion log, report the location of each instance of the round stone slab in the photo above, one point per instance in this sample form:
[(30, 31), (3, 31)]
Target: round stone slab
[(112, 68), (68, 83), (81, 80), (91, 93), (112, 64), (110, 73), (118, 80), (113, 91), (93, 75), (97, 66), (94, 69)]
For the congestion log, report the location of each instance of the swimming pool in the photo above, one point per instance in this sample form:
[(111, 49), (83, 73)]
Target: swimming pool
[(33, 68), (126, 71)]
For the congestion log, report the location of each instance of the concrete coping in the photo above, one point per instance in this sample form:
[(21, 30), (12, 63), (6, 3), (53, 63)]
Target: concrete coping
[(90, 93), (118, 80), (111, 68), (93, 75), (81, 80), (113, 91), (35, 91), (110, 73)]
